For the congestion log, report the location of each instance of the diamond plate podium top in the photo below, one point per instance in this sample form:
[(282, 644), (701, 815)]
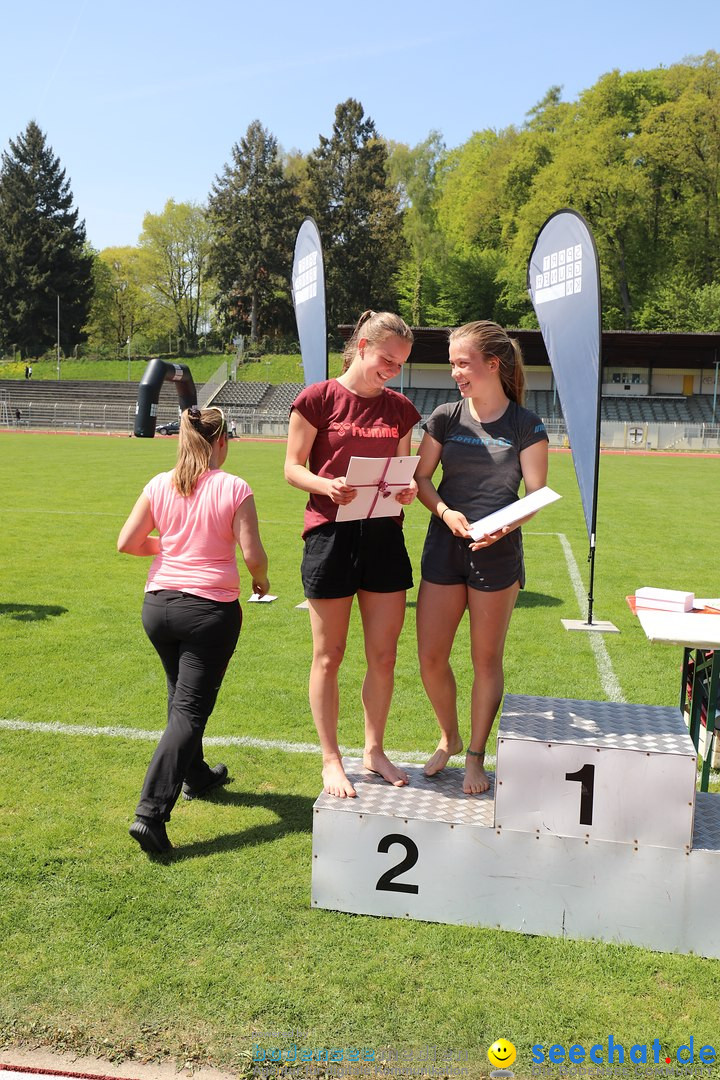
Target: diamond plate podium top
[(706, 831), (434, 798), (606, 724)]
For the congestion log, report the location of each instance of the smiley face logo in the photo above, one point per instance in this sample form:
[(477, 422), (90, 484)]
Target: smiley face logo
[(502, 1053)]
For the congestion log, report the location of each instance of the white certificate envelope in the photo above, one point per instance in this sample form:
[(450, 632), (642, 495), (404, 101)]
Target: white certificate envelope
[(514, 512), (377, 480)]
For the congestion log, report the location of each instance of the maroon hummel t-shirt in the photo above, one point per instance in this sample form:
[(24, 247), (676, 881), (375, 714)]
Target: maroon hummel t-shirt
[(349, 426)]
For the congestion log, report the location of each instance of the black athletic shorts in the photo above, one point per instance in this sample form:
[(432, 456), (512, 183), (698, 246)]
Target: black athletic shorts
[(341, 558), (448, 560)]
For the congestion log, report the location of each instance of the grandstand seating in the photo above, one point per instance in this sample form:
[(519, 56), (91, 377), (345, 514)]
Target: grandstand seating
[(91, 405), (655, 410), (42, 400), (544, 403), (282, 396), (71, 392), (703, 408), (242, 394), (633, 410), (426, 399)]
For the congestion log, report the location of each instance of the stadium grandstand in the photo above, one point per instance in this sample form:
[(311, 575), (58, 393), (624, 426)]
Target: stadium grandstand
[(658, 391)]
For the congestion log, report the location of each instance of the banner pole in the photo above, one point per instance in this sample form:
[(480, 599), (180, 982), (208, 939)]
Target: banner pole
[(591, 560), (596, 478)]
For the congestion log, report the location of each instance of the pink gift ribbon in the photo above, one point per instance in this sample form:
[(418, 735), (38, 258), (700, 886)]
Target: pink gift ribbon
[(381, 487)]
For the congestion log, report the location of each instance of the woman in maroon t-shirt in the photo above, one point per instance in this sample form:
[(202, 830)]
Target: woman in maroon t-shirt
[(355, 414)]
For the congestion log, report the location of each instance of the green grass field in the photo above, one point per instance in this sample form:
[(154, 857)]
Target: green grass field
[(107, 951)]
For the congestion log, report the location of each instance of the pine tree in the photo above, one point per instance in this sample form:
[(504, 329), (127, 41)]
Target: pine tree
[(357, 211), (43, 254), (253, 210)]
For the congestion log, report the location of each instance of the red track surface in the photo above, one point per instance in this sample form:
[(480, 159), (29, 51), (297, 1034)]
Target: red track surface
[(257, 438)]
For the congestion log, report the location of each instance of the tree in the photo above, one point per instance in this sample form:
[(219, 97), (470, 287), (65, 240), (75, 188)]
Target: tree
[(677, 305), (414, 172), (549, 110), (126, 304), (177, 243), (593, 163), (253, 211), (358, 214), (475, 213), (43, 253), (681, 144), (99, 327)]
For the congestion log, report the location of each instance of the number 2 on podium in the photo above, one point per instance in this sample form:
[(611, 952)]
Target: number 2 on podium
[(386, 882)]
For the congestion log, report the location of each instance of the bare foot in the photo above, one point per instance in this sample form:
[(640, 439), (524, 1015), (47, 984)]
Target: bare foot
[(445, 750), (336, 782), (378, 762), (476, 779)]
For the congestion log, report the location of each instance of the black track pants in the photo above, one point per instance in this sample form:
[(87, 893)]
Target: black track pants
[(195, 639)]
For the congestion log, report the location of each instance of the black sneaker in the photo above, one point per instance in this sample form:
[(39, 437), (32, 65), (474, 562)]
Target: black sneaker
[(216, 776), (151, 835)]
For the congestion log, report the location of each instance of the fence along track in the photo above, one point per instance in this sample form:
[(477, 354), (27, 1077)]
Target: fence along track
[(84, 416)]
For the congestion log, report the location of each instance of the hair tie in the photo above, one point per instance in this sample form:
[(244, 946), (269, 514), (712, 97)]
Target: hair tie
[(194, 413)]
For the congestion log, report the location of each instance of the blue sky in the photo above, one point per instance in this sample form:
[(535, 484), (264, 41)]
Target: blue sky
[(142, 101)]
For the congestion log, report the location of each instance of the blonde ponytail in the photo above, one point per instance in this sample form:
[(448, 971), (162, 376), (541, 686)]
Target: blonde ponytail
[(199, 430)]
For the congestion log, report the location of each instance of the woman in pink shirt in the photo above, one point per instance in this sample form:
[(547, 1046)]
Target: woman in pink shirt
[(191, 611)]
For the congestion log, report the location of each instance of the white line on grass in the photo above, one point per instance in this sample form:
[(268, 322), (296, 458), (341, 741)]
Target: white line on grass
[(115, 732), (608, 678)]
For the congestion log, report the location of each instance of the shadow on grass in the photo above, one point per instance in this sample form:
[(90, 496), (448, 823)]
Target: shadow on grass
[(537, 599), (294, 813), (31, 612)]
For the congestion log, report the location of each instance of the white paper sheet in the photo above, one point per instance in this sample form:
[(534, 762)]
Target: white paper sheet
[(516, 511), (367, 475), (266, 599), (688, 628)]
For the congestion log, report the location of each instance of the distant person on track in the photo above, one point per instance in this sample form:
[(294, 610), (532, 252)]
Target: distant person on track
[(191, 611)]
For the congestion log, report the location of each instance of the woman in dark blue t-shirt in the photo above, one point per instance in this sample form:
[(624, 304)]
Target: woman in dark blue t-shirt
[(487, 443)]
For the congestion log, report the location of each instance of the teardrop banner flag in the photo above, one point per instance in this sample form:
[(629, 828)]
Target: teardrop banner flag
[(308, 292), (563, 279)]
